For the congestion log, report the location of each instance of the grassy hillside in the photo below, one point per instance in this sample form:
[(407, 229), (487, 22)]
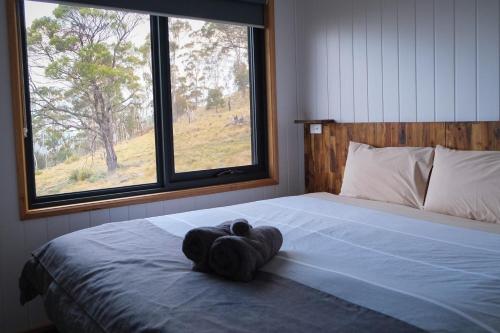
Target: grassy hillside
[(209, 141)]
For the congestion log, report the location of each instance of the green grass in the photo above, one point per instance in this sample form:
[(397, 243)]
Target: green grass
[(209, 141)]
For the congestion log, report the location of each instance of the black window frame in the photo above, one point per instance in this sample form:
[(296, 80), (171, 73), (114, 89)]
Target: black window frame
[(167, 179)]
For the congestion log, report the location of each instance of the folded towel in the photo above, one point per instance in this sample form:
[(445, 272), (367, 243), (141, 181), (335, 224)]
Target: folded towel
[(238, 258), (197, 243), (240, 227)]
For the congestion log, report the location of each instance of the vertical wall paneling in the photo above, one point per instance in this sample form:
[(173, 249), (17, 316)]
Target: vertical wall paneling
[(300, 112), (57, 226), (79, 221), (178, 206), (98, 217), (300, 60), (35, 235), (295, 142), (307, 82), (321, 74), (137, 211), (407, 75), (374, 60), (390, 65), (444, 60), (424, 48), (465, 59), (118, 214), (286, 82), (154, 209), (346, 62), (283, 129), (488, 56), (360, 61), (333, 49), (12, 257), (404, 60), (12, 233)]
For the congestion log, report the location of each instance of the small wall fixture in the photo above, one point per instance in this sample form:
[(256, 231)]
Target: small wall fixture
[(315, 126)]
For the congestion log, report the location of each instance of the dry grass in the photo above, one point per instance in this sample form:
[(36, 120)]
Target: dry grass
[(209, 141)]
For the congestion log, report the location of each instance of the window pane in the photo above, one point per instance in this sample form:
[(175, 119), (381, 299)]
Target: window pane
[(90, 87), (210, 95)]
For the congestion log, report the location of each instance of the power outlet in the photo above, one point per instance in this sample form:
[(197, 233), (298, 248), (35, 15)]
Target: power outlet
[(315, 129)]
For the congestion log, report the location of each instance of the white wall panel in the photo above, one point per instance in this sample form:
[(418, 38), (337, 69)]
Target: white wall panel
[(306, 85), (488, 56), (465, 59), (154, 209), (321, 59), (286, 76), (403, 60), (407, 75), (390, 60), (35, 235), (79, 221), (424, 49), (57, 226), (360, 61), (13, 253), (137, 211), (118, 214), (333, 50), (346, 61), (374, 60), (444, 34), (98, 217)]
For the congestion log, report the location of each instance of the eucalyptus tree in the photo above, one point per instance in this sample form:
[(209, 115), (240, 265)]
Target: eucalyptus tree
[(83, 72)]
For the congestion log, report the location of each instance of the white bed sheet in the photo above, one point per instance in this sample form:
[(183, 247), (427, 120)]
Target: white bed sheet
[(410, 212), (428, 270)]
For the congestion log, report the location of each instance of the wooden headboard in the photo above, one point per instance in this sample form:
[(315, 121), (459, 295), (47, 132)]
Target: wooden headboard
[(326, 153)]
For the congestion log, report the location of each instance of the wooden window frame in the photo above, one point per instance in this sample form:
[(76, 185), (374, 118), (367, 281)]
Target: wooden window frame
[(18, 107)]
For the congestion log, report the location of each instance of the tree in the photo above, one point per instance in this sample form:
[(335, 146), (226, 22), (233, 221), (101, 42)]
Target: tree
[(226, 39), (226, 43), (83, 72), (241, 76), (215, 99), (178, 28)]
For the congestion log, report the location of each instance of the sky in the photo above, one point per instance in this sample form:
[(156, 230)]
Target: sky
[(36, 9)]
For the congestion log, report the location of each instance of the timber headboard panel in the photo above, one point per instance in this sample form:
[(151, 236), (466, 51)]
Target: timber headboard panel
[(326, 153)]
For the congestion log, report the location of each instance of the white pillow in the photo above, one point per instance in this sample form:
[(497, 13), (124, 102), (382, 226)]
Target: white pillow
[(394, 174), (465, 184)]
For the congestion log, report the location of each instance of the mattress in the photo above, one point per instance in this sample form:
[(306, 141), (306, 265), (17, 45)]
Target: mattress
[(432, 272)]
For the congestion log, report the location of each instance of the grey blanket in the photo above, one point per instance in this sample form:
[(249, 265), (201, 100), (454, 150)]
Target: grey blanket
[(133, 277)]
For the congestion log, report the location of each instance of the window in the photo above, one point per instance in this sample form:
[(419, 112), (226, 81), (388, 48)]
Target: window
[(118, 103), (210, 98), (90, 99)]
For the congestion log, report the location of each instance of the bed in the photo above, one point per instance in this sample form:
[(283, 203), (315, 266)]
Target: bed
[(346, 265)]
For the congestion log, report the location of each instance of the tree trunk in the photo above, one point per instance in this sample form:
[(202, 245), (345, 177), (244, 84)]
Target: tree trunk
[(111, 158), (106, 134), (106, 130)]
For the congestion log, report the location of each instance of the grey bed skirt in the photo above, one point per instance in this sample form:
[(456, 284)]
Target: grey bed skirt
[(132, 277)]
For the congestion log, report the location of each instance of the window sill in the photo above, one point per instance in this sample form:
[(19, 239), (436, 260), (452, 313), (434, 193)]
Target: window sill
[(140, 199)]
